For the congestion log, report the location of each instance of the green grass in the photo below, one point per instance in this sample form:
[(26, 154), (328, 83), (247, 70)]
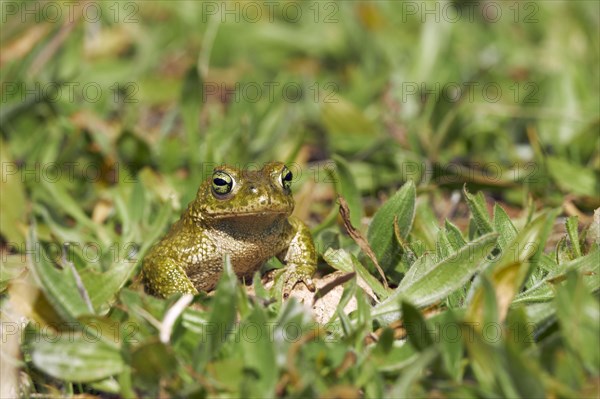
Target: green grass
[(467, 151)]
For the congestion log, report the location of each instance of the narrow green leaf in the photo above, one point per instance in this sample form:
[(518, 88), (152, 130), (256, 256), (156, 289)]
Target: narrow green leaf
[(402, 388), (416, 327), (345, 185), (541, 314), (109, 385), (60, 286), (508, 272), (222, 316), (11, 267), (124, 214), (444, 278), (564, 253), (425, 227), (77, 358), (363, 311), (13, 206), (421, 266), (152, 361), (156, 230), (545, 233), (344, 261), (385, 343), (349, 292), (417, 247), (72, 207), (571, 224), (548, 265), (519, 328), (527, 377), (132, 213), (451, 346), (455, 237), (578, 315), (381, 235), (542, 293), (472, 231), (339, 259), (479, 212), (573, 178), (489, 303), (488, 363), (504, 227), (101, 287), (259, 354), (61, 232), (443, 248), (588, 266), (398, 357), (451, 273)]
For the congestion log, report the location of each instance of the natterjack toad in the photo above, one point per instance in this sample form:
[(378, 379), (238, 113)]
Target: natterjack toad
[(245, 213)]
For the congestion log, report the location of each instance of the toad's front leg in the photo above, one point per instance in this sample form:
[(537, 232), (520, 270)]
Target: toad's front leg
[(300, 257), (166, 277)]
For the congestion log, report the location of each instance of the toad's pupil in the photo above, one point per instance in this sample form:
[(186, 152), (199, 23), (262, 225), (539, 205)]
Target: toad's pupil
[(220, 182)]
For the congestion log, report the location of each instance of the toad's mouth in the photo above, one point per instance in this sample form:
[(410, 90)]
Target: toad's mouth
[(253, 214)]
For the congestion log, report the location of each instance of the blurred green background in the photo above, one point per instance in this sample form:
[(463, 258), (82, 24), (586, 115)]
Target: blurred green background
[(506, 93)]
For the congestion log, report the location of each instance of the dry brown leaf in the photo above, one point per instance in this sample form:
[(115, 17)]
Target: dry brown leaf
[(21, 46), (359, 238), (102, 210), (51, 47)]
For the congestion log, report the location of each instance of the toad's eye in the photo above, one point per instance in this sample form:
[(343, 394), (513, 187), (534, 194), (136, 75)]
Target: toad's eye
[(222, 183), (286, 178)]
